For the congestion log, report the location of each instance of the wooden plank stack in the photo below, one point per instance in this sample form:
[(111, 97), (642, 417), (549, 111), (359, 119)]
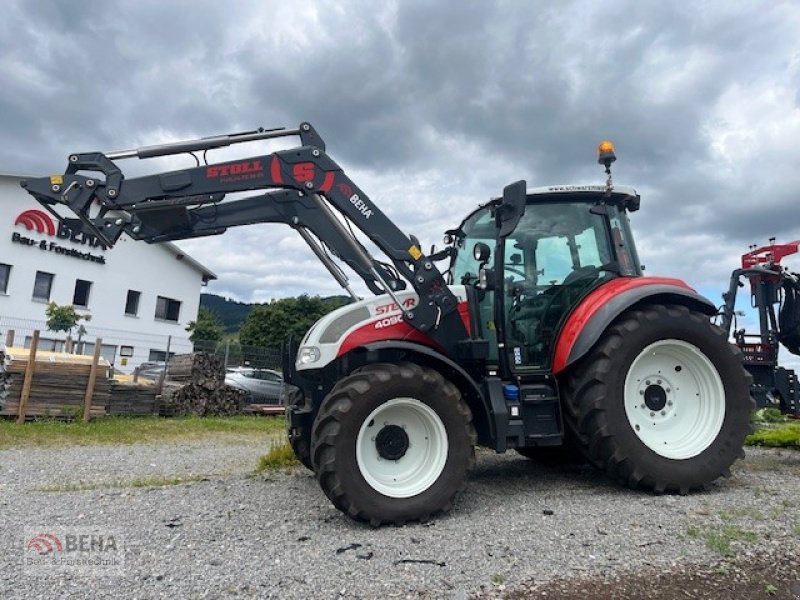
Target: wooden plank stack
[(132, 399), (203, 391), (58, 386)]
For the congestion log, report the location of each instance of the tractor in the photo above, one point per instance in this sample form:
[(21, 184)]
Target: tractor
[(539, 330)]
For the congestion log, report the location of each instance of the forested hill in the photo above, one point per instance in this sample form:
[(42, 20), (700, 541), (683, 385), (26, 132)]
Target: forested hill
[(232, 313)]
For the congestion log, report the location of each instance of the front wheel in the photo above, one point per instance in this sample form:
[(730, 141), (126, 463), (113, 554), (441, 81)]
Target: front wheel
[(662, 401), (392, 443)]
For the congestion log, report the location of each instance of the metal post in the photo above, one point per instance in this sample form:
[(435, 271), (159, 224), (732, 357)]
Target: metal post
[(166, 358)]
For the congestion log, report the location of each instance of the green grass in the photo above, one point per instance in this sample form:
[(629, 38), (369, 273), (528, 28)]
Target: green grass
[(783, 435), (279, 457), (720, 539), (135, 430), (132, 483), (767, 415)]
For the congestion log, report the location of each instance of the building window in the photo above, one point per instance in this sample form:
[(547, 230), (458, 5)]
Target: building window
[(81, 296), (132, 303), (159, 356), (167, 309), (5, 275), (43, 286)]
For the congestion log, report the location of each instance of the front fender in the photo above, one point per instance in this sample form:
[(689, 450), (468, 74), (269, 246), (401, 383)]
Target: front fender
[(453, 371), (598, 310)]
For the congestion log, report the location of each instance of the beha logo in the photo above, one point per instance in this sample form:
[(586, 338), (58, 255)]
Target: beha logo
[(38, 220), (45, 543)]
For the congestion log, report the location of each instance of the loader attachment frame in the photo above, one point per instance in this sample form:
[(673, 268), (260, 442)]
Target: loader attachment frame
[(307, 187)]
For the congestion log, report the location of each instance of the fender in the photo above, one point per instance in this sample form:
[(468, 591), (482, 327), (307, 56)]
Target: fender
[(594, 314), (482, 417)]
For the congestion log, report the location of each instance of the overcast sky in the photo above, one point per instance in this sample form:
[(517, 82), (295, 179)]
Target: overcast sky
[(432, 107)]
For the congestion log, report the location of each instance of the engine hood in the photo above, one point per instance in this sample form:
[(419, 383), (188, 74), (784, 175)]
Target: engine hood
[(378, 317)]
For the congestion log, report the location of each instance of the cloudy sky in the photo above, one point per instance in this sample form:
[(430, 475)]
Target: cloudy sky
[(432, 107)]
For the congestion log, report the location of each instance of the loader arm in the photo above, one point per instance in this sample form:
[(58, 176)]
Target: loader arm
[(185, 203), (303, 214)]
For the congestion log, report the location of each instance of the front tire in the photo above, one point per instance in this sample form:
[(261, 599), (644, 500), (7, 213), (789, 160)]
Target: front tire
[(662, 401), (299, 437), (393, 443)]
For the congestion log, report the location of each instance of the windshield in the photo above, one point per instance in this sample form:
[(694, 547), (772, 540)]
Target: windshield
[(559, 251)]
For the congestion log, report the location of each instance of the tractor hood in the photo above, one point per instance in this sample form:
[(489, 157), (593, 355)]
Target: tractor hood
[(373, 319)]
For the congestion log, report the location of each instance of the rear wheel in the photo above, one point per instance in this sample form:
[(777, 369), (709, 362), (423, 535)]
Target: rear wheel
[(662, 401), (393, 443)]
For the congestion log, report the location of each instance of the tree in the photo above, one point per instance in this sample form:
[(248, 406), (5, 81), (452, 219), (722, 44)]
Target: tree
[(207, 327), (63, 318), (271, 324)]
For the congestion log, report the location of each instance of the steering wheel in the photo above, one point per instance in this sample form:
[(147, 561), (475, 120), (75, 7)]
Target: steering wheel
[(515, 271), (581, 273)]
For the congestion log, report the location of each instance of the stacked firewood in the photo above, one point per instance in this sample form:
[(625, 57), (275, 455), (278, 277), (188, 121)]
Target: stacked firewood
[(5, 378), (58, 386), (203, 391)]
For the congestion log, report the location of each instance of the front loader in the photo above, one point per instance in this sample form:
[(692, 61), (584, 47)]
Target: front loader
[(539, 331)]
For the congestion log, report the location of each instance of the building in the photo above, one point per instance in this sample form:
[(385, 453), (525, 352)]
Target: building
[(140, 296)]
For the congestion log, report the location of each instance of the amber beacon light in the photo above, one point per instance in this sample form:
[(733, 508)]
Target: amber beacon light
[(605, 153)]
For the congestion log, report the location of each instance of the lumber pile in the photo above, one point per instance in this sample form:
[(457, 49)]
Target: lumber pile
[(132, 399), (58, 386), (196, 386)]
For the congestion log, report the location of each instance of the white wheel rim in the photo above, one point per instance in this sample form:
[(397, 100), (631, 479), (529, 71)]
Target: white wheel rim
[(685, 417), (422, 462)]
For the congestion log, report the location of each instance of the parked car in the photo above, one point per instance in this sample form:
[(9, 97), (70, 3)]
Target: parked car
[(263, 386), (151, 369)]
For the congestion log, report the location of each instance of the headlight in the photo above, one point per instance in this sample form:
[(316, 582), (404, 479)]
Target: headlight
[(308, 354)]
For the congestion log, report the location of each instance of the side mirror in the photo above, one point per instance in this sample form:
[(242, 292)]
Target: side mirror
[(512, 208)]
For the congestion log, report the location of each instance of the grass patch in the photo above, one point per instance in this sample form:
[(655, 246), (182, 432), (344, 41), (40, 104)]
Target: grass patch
[(279, 457), (135, 430), (133, 483), (720, 539), (781, 435), (740, 512), (767, 415)]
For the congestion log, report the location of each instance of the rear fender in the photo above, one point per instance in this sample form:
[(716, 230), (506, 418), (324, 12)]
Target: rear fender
[(598, 310)]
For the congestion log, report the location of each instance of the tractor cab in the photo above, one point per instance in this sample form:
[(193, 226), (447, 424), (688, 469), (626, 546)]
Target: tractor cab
[(567, 241)]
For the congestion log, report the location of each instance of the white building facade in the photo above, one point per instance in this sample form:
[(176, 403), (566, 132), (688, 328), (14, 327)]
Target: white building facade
[(140, 296)]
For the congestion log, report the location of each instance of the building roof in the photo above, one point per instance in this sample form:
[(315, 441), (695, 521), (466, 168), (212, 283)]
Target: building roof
[(179, 254)]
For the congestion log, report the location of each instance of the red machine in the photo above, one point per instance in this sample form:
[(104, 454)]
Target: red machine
[(540, 331)]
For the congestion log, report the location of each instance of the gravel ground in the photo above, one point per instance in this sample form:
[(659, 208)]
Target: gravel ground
[(518, 525)]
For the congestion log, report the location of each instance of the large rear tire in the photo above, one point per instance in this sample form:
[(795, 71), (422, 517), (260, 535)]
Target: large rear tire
[(393, 443), (662, 401)]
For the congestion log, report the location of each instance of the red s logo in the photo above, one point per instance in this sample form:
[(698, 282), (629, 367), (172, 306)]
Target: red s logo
[(303, 172)]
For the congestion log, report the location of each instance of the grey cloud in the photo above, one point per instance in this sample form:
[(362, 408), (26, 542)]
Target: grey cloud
[(434, 106)]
